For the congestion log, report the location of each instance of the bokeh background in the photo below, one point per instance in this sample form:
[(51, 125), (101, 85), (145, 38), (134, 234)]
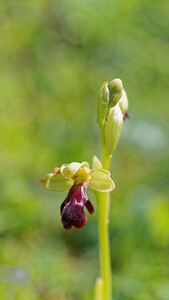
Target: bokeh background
[(54, 56)]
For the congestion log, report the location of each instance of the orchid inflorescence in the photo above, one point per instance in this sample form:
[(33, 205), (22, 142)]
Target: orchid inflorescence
[(77, 177)]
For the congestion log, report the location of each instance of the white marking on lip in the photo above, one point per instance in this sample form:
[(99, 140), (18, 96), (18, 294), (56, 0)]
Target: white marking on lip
[(78, 203)]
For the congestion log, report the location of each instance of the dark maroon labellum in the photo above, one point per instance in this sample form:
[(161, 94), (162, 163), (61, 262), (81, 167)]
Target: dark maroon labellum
[(72, 209)]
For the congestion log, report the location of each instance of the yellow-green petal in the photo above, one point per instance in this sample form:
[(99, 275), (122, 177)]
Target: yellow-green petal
[(74, 169), (56, 183), (100, 181)]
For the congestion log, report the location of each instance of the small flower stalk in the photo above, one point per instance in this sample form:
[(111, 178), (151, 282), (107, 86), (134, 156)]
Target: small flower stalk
[(75, 178)]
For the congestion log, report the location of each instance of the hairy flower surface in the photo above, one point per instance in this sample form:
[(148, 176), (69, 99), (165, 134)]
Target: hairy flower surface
[(77, 177)]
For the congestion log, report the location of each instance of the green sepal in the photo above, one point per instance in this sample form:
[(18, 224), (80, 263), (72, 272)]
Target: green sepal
[(56, 183), (100, 181)]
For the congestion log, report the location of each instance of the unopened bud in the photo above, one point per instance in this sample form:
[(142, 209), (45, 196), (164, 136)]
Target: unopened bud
[(123, 103), (115, 91), (96, 163), (103, 104), (113, 128)]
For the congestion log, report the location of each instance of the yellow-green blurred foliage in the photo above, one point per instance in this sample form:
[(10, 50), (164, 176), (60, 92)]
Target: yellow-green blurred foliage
[(54, 56)]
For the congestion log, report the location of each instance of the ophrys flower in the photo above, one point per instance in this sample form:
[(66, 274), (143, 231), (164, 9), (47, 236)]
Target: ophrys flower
[(77, 177)]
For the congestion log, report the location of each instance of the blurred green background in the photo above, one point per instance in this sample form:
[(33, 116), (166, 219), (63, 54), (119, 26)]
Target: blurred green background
[(54, 56)]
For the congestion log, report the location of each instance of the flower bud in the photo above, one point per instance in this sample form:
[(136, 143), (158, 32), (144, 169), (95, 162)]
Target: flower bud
[(115, 91), (123, 103), (103, 104), (113, 128), (96, 163)]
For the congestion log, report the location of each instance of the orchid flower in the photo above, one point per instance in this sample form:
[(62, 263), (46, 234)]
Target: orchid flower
[(76, 178)]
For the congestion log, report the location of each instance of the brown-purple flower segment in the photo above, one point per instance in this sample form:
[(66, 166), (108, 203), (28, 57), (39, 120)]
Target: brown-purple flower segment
[(72, 209), (125, 116)]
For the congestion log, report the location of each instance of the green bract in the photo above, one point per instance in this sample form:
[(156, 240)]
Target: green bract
[(74, 172)]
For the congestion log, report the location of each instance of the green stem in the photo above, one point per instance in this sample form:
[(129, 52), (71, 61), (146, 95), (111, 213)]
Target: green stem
[(105, 261)]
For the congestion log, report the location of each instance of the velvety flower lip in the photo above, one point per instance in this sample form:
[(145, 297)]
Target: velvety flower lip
[(72, 209), (76, 178)]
